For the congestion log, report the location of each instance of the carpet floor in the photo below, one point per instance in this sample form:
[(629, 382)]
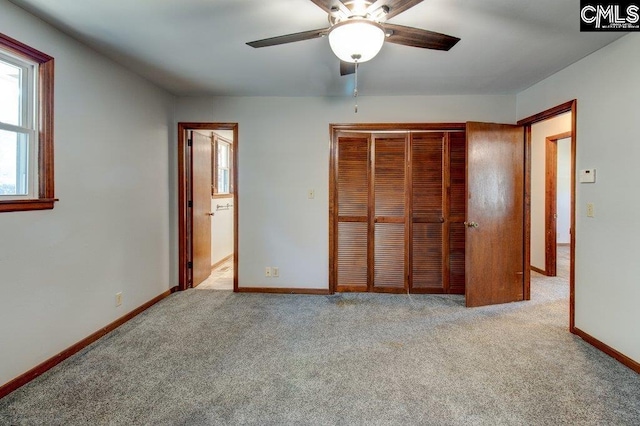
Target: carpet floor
[(205, 357)]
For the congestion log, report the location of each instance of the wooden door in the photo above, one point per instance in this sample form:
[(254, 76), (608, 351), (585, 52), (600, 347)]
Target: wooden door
[(495, 214), (352, 193), (389, 213), (201, 197), (457, 202), (428, 193)]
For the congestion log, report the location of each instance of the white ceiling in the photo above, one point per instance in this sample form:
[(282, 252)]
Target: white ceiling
[(197, 47)]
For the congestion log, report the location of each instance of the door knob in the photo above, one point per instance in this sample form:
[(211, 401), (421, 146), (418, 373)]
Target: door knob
[(471, 224), (210, 214)]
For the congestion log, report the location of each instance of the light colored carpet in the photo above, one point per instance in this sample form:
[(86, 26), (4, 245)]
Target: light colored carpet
[(203, 357)]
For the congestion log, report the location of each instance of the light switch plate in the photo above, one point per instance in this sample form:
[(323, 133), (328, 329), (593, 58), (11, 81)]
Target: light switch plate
[(588, 176)]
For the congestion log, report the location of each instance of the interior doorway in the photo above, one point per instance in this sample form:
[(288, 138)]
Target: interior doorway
[(208, 207), (551, 191)]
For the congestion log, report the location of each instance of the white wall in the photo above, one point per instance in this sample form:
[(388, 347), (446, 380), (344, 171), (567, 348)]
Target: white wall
[(283, 151), (607, 267), (539, 133), (563, 192), (221, 229), (60, 269)]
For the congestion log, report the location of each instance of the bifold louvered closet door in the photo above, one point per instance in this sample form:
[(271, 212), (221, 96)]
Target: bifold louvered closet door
[(397, 211)]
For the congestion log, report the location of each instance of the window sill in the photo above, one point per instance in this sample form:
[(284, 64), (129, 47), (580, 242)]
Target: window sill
[(214, 196), (26, 205)]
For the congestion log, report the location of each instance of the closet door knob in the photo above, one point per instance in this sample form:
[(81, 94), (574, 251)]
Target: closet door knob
[(471, 224)]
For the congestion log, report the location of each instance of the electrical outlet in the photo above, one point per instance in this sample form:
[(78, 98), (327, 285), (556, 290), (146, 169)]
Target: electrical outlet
[(275, 271), (590, 210), (267, 271), (119, 298)]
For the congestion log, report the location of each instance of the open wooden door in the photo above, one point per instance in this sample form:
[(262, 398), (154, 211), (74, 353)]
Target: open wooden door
[(495, 214), (201, 181)]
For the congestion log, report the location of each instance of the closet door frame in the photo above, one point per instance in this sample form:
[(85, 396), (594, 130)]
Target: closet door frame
[(334, 131)]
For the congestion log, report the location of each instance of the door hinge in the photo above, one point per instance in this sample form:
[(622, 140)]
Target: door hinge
[(190, 265), (189, 203), (189, 142)]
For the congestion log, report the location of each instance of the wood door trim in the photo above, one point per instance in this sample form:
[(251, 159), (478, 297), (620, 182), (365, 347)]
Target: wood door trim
[(550, 113), (570, 106), (550, 206), (396, 127), (184, 231), (340, 130)]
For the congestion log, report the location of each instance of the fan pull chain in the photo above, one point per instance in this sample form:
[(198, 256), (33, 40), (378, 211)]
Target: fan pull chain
[(355, 89)]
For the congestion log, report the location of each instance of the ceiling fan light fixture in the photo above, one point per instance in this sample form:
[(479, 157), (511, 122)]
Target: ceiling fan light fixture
[(356, 40)]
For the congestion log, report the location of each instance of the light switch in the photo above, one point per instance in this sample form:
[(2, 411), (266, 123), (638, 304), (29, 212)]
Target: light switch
[(311, 194)]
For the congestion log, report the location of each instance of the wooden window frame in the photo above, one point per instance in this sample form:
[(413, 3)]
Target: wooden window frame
[(44, 99), (214, 167)]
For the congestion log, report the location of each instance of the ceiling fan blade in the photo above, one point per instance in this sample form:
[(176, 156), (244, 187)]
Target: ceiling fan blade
[(416, 37), (395, 6), (332, 6), (289, 38), (347, 68)]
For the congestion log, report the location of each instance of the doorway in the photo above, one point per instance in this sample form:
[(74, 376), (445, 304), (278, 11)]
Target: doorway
[(208, 205), (550, 189)]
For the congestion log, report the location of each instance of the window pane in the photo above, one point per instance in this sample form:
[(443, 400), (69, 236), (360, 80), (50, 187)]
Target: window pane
[(14, 160), (223, 181), (223, 155), (10, 88)]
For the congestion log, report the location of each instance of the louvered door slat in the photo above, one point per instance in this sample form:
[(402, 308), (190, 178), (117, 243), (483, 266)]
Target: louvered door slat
[(458, 150), (456, 258), (352, 254), (389, 256), (353, 185), (427, 257), (389, 176), (389, 212), (427, 156)]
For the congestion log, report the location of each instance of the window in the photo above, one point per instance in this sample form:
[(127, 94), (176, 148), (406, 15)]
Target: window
[(222, 166), (26, 127)]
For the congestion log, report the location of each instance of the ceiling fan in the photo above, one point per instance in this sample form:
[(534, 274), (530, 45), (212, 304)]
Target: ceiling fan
[(359, 28)]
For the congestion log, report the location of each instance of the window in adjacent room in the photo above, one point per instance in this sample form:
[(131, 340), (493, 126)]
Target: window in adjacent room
[(26, 127), (222, 166)]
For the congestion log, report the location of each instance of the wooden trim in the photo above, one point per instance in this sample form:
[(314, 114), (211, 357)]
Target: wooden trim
[(27, 205), (226, 195), (538, 270), (381, 129), (220, 262), (526, 293), (551, 194), (622, 358), (36, 371), (396, 127), (550, 113), (550, 206), (570, 106), (184, 231), (279, 290), (572, 241), (371, 214), (333, 219), (46, 188)]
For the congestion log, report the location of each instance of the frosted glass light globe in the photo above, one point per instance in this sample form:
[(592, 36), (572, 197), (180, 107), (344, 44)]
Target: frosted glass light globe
[(359, 39)]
